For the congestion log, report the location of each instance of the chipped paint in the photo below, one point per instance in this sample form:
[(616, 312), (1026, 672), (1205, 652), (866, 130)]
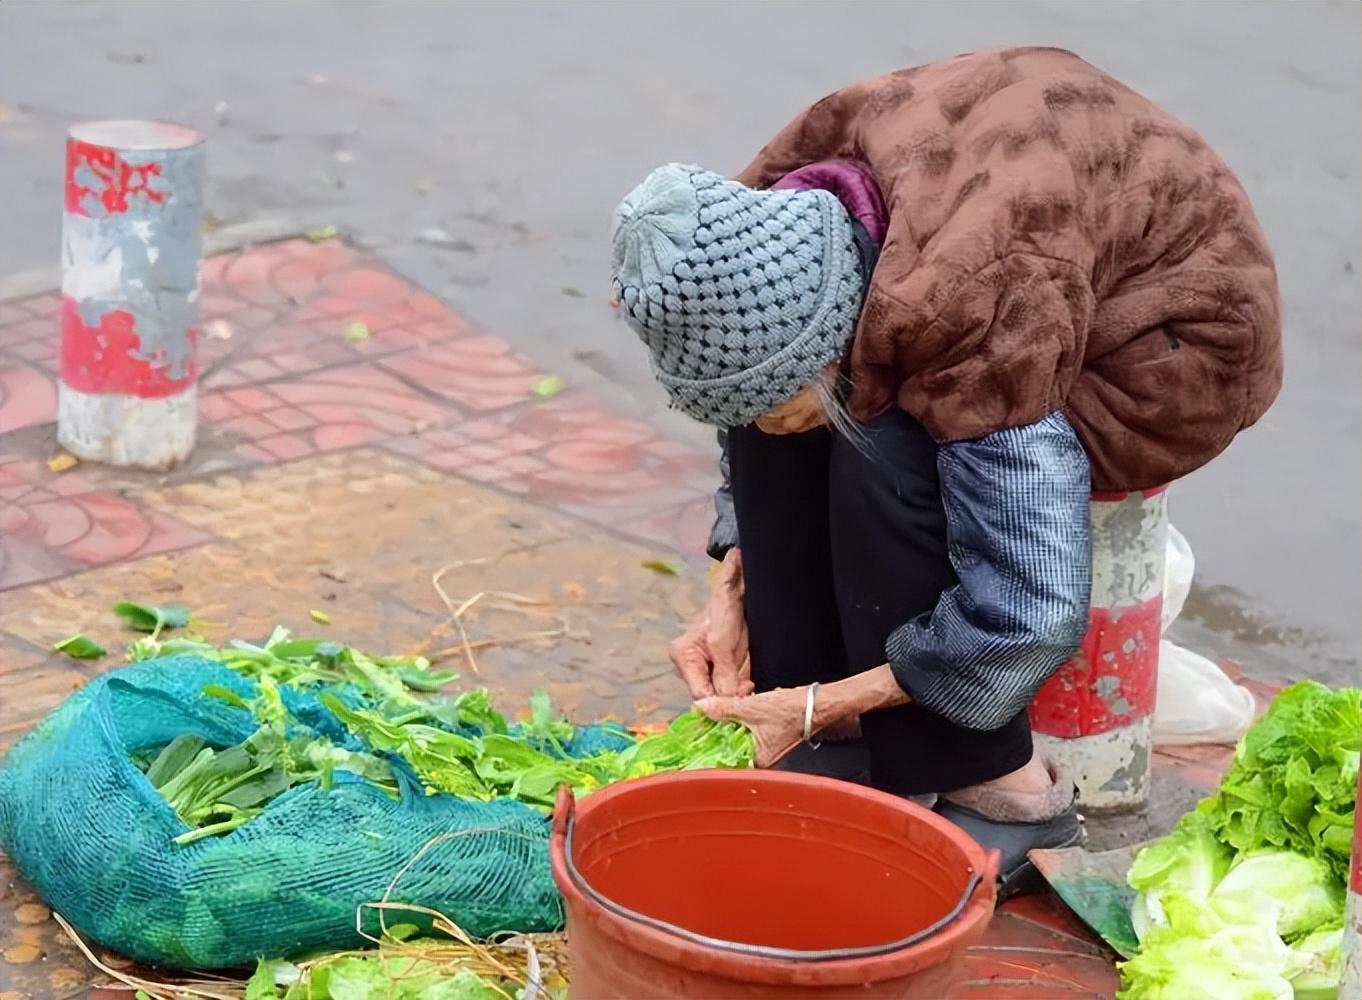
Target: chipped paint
[(1097, 710), (128, 431), (130, 251), (1111, 769)]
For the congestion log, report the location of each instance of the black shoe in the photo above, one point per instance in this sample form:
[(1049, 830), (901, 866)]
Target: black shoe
[(1017, 876)]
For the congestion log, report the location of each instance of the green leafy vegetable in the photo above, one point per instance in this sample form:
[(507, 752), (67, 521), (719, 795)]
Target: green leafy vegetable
[(545, 724), (1293, 783), (1242, 900), (215, 790), (1189, 862), (400, 972), (1318, 958), (1221, 949), (174, 758), (426, 679), (461, 746), (81, 647), (548, 386), (1305, 890), (151, 618), (502, 764)]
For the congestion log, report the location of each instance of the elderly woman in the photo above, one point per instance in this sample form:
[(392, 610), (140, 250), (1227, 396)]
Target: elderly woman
[(937, 311)]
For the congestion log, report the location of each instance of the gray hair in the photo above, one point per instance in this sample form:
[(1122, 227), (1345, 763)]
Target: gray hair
[(830, 388)]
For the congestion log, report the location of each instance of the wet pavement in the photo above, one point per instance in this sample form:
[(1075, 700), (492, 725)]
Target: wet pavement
[(483, 146), (343, 475)]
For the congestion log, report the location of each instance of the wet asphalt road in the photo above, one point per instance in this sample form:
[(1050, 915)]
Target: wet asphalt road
[(481, 146)]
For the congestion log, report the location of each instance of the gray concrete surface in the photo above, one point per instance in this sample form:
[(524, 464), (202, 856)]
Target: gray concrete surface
[(505, 132)]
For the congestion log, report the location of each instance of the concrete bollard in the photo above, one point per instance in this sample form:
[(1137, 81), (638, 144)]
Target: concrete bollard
[(130, 285), (1095, 717), (1352, 921)]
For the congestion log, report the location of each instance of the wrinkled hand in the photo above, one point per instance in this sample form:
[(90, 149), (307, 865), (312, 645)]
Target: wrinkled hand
[(776, 719), (711, 656)]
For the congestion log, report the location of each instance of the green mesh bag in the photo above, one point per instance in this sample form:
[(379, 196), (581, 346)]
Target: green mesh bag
[(96, 839)]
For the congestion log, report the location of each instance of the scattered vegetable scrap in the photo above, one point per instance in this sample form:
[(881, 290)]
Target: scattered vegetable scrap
[(549, 385), (62, 461), (151, 618), (80, 647)]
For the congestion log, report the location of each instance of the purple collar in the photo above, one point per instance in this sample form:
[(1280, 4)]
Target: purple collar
[(852, 183)]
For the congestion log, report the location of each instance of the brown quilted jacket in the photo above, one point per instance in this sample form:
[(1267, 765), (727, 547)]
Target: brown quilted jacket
[(1055, 242)]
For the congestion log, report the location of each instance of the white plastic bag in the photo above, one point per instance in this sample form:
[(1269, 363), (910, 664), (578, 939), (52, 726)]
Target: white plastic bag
[(1196, 701), (1179, 568)]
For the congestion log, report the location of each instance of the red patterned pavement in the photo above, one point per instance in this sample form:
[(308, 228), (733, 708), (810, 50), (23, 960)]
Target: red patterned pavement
[(312, 347)]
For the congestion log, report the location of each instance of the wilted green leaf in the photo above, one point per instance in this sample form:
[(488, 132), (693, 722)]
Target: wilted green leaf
[(225, 694), (320, 617), (151, 617), (549, 385), (81, 647), (426, 680), (663, 566)]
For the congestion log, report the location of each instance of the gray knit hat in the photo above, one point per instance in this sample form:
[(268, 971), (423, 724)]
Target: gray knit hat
[(742, 296)]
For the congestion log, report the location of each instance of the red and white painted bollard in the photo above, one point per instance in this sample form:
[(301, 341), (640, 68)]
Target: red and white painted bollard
[(130, 286), (1351, 988), (1095, 717)]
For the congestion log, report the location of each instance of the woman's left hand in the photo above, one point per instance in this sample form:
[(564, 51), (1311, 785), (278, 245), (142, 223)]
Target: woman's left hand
[(776, 719)]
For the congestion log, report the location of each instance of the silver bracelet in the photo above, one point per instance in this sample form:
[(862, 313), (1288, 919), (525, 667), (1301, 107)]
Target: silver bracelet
[(808, 717)]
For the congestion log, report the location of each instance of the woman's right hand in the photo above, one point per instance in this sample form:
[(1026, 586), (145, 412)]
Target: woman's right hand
[(711, 656)]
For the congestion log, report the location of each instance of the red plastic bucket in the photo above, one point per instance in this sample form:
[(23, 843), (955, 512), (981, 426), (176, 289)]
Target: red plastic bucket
[(711, 885)]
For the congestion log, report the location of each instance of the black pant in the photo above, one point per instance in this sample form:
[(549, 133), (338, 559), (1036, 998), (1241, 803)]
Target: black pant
[(842, 545)]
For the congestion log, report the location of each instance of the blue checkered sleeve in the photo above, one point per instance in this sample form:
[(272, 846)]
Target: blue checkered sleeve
[(1017, 509)]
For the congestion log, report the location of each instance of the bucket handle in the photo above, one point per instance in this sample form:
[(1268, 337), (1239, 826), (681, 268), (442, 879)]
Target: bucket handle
[(565, 822)]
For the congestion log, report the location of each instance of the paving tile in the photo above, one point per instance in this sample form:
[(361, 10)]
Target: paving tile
[(684, 528), (97, 529), (323, 411), (287, 447), (28, 398), (1022, 959), (11, 314), (47, 304), (33, 339), (366, 287), (32, 683), (1050, 912), (584, 458), (24, 561), (477, 371), (25, 479)]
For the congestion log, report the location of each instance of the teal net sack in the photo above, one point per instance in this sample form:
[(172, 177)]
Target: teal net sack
[(94, 837)]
